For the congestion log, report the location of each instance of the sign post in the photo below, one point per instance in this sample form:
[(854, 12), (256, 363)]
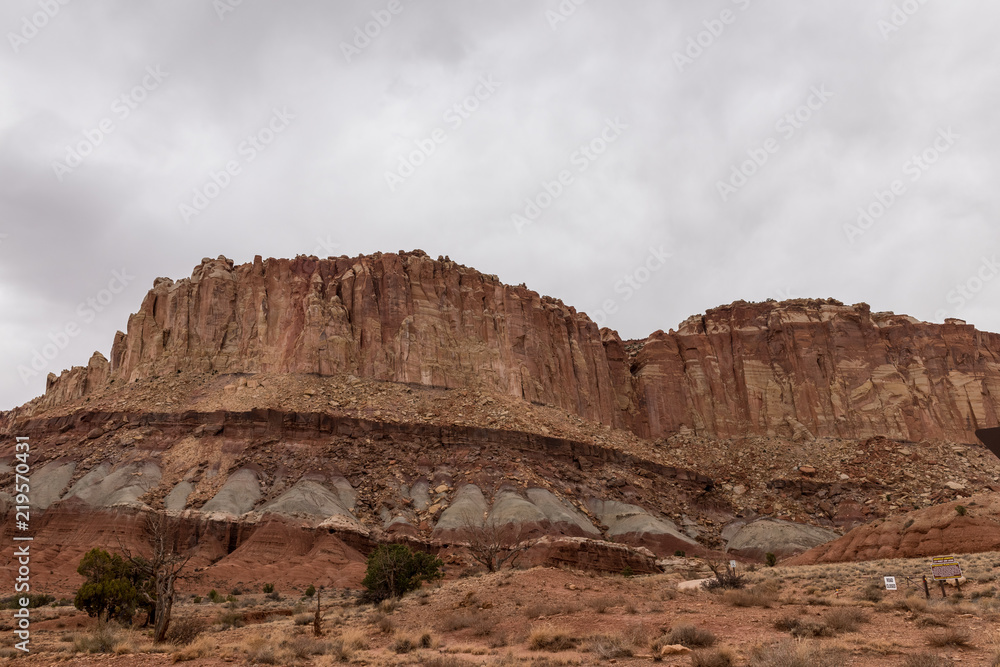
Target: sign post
[(944, 568)]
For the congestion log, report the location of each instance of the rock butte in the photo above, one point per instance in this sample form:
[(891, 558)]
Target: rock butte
[(798, 367), (293, 412)]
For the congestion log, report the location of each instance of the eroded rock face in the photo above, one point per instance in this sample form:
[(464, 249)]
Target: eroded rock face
[(782, 538), (934, 531), (808, 368), (799, 369)]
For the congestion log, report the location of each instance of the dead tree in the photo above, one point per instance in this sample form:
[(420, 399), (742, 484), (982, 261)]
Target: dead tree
[(318, 619), (162, 568), (492, 543)]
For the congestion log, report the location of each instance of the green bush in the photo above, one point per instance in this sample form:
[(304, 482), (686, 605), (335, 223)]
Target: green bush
[(961, 510), (310, 591), (770, 559), (394, 569), (115, 588), (268, 588), (679, 553)]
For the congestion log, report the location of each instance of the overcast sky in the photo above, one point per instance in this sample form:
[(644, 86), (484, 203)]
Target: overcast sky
[(564, 146)]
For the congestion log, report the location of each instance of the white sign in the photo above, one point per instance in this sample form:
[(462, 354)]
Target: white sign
[(890, 583), (732, 565)]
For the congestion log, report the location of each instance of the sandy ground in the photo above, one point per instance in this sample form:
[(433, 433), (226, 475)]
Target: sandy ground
[(505, 618)]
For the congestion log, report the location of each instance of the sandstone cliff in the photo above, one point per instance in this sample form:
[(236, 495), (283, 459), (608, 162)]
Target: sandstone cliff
[(801, 368)]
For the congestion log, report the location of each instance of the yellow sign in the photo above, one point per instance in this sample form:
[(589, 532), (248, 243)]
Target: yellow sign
[(945, 567)]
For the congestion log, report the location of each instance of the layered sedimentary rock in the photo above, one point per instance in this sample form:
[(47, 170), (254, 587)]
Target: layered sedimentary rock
[(800, 368), (939, 530)]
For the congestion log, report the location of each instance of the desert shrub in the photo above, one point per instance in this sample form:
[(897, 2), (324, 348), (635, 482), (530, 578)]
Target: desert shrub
[(260, 650), (872, 593), (795, 654), (609, 647), (483, 627), (845, 619), (601, 604), (551, 639), (394, 569), (310, 591), (200, 648), (960, 510), (383, 622), (690, 636), (770, 559), (214, 596), (388, 606), (268, 588), (927, 660), (724, 579), (539, 609), (183, 631), (104, 638), (35, 600), (354, 640), (458, 621), (403, 645), (273, 595), (338, 651), (196, 599), (303, 619), (679, 553), (716, 657), (231, 619), (758, 596), (915, 604), (950, 637), (931, 622)]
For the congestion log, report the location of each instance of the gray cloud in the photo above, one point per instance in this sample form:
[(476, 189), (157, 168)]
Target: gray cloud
[(322, 179)]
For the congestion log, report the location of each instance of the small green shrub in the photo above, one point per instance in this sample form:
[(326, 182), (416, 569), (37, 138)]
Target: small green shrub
[(770, 559), (310, 591), (268, 588), (395, 569)]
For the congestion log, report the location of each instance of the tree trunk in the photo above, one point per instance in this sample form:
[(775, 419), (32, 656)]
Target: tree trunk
[(164, 604)]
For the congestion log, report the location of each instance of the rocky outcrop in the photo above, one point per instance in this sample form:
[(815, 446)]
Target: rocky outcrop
[(938, 530), (807, 368), (782, 538), (799, 369)]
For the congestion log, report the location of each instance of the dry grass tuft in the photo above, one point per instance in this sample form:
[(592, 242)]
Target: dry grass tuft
[(716, 657), (845, 619), (950, 637), (760, 595), (609, 647), (551, 639), (795, 654), (198, 648), (690, 636)]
